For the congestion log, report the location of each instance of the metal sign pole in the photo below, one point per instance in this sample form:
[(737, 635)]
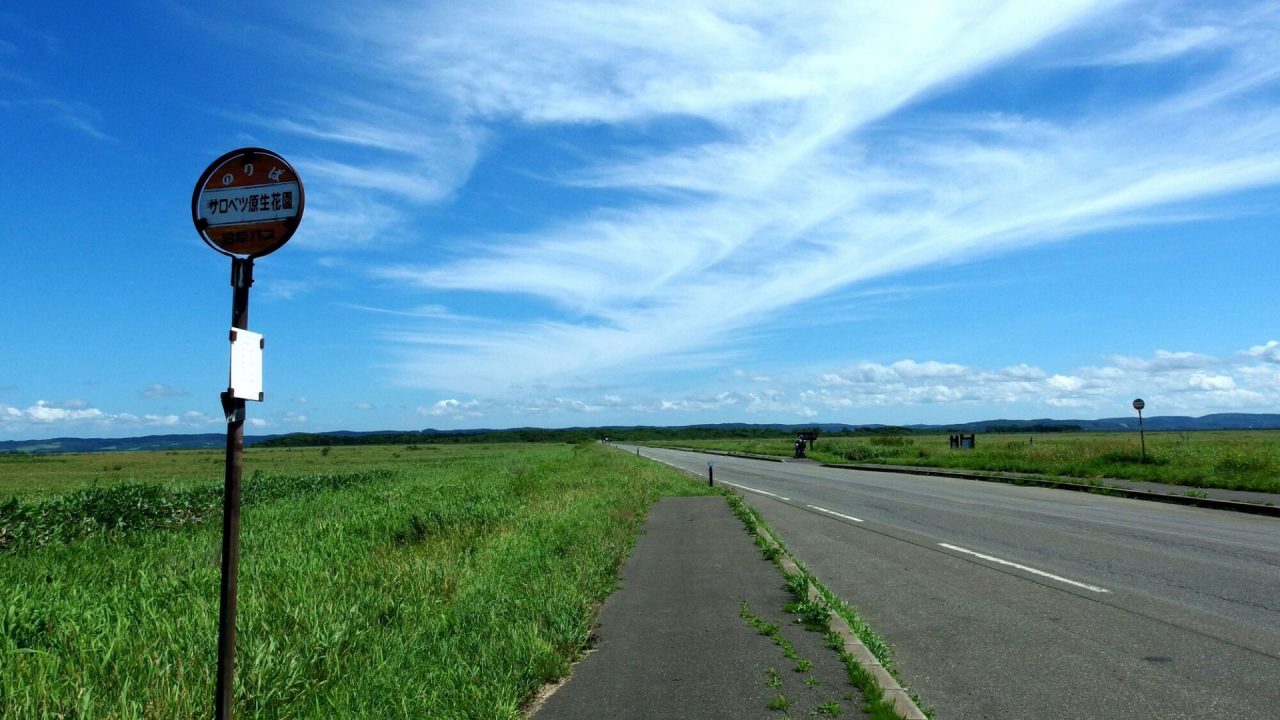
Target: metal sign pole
[(234, 408), (246, 204), (1139, 404), (1142, 436)]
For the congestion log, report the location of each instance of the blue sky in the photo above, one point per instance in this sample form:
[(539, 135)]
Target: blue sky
[(586, 213)]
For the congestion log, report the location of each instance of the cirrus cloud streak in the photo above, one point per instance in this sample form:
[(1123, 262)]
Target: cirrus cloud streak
[(833, 146)]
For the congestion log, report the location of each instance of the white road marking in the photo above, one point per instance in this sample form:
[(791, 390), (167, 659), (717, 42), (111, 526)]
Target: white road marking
[(722, 482), (761, 492), (833, 512), (1033, 571)]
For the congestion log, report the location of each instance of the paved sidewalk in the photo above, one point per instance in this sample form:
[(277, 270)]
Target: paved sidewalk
[(672, 643)]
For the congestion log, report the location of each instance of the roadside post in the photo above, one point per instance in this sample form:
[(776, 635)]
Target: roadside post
[(1138, 404), (711, 475), (247, 204)]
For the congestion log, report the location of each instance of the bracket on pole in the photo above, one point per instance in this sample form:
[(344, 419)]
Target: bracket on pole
[(232, 409)]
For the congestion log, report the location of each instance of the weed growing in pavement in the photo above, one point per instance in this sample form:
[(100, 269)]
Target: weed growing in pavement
[(797, 584), (874, 702), (830, 708), (813, 615), (773, 632), (769, 551), (802, 665)]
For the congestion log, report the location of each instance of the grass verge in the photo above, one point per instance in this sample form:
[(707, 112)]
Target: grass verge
[(454, 587), (1235, 460)]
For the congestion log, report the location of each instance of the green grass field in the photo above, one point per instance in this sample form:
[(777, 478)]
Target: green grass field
[(445, 582), (33, 476), (1230, 460)]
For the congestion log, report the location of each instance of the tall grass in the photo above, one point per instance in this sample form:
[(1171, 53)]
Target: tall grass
[(31, 477), (117, 510), (451, 588)]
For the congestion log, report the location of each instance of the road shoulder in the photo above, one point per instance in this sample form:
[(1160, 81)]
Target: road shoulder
[(674, 640)]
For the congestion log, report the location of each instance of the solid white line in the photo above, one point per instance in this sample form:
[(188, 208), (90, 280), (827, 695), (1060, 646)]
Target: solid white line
[(833, 512), (723, 482), (762, 492), (1033, 571)]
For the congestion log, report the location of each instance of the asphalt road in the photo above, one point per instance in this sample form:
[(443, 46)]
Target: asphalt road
[(1020, 602)]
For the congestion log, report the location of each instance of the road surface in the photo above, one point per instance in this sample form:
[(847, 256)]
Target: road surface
[(1021, 602)]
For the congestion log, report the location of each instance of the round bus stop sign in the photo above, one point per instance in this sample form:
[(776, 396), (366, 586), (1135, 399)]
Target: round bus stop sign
[(247, 203), (1138, 404)]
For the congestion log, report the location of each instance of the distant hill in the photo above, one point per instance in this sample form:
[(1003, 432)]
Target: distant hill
[(210, 441)]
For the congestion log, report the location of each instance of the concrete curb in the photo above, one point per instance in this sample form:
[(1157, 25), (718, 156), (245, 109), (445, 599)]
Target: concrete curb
[(893, 691), (1040, 481), (853, 645)]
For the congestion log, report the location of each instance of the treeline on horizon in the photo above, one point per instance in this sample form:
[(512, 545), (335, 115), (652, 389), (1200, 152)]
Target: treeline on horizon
[(621, 434)]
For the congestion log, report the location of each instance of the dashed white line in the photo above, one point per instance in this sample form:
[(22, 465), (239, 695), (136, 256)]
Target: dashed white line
[(833, 512), (1033, 571)]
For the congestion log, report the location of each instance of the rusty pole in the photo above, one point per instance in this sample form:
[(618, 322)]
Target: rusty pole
[(234, 408)]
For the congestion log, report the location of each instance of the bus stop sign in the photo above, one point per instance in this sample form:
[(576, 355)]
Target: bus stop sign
[(247, 203)]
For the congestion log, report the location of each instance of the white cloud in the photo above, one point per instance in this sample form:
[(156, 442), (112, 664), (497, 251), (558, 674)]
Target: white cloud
[(1166, 44), (1269, 352), (160, 390), (922, 389), (545, 406), (1204, 381), (1065, 383), (452, 408), (785, 175), (76, 116), (44, 415), (1171, 383), (753, 402), (624, 61), (44, 412), (1165, 361)]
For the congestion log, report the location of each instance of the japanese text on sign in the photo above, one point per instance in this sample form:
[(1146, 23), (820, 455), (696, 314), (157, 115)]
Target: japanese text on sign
[(249, 204)]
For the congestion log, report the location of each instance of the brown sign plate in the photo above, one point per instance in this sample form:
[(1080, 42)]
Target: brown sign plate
[(247, 203)]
